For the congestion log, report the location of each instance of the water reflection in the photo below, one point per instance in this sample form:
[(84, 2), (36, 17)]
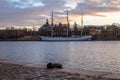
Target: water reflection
[(88, 55)]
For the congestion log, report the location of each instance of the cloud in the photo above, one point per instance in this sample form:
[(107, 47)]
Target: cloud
[(25, 12), (94, 7), (34, 12)]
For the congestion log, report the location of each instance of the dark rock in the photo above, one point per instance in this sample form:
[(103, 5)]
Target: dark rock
[(54, 65), (49, 66)]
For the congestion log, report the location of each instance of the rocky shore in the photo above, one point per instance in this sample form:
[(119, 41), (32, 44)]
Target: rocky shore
[(24, 71)]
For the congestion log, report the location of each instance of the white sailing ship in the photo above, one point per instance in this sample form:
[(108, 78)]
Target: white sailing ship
[(82, 38), (72, 38)]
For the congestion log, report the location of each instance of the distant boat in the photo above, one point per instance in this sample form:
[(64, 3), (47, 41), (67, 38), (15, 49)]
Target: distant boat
[(72, 38)]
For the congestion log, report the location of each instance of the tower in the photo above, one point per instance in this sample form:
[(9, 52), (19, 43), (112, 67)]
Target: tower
[(47, 23)]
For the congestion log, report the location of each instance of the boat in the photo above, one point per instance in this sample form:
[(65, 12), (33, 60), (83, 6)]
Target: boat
[(67, 38), (82, 38)]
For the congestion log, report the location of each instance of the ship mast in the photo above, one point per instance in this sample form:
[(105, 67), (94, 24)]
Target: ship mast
[(52, 19), (68, 25), (52, 24), (82, 24), (68, 19)]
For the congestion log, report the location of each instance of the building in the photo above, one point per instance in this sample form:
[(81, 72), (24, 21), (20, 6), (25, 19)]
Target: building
[(111, 32), (45, 30), (60, 30)]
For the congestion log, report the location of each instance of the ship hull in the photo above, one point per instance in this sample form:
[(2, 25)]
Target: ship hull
[(83, 38)]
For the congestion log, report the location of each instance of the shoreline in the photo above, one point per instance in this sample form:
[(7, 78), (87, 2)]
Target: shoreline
[(40, 71), (7, 40)]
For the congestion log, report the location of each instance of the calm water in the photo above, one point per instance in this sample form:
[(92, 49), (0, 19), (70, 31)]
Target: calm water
[(98, 55)]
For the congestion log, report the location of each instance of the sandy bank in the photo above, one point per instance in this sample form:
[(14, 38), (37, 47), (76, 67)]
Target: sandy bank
[(10, 70)]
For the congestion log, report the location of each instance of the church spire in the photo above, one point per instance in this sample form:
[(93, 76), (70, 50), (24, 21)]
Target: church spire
[(47, 22)]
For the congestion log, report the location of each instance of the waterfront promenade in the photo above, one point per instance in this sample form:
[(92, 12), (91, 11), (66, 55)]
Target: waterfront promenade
[(10, 70)]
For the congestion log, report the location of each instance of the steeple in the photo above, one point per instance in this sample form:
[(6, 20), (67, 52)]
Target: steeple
[(47, 23)]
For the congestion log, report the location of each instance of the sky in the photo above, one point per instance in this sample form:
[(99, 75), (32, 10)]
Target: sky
[(35, 12)]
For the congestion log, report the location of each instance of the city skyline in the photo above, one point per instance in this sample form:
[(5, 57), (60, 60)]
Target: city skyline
[(35, 12)]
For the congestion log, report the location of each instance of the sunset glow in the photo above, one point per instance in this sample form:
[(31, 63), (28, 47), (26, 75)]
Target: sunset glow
[(35, 12)]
